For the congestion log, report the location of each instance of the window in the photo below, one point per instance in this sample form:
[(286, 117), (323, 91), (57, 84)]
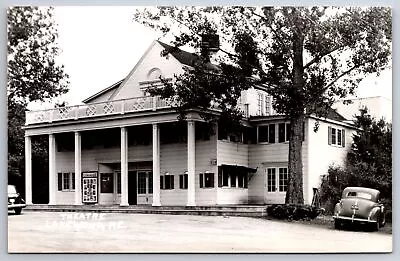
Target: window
[(231, 177), (119, 183), (183, 181), (283, 179), (141, 183), (167, 182), (266, 133), (150, 182), (206, 180), (277, 179), (284, 132), (66, 181), (271, 179), (260, 104), (336, 136), (106, 183)]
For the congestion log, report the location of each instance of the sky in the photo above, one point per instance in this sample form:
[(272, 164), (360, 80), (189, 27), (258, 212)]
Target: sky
[(100, 46)]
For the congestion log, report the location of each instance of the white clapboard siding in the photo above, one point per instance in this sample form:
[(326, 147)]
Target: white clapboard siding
[(322, 155), (232, 153)]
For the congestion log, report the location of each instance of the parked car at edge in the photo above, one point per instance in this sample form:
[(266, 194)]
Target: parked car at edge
[(15, 201), (360, 205)]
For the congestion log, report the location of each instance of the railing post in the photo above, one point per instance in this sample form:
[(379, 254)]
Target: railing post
[(51, 115), (76, 112), (154, 103), (123, 107)]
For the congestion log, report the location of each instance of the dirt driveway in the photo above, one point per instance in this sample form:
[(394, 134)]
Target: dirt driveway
[(52, 232)]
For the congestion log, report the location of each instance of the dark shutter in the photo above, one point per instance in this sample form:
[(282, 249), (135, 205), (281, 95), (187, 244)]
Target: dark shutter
[(329, 135), (161, 182), (201, 180), (172, 179), (281, 132), (246, 180), (287, 132), (181, 181), (60, 181), (211, 175), (271, 138), (220, 176), (304, 131), (343, 138)]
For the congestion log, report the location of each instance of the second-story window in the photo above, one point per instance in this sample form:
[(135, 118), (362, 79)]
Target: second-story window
[(266, 133), (284, 132), (336, 136)]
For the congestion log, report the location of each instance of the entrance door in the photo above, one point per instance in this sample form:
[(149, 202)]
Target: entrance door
[(132, 188), (145, 187), (276, 185)]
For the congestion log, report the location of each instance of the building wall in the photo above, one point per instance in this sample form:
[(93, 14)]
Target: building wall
[(173, 159), (322, 155), (262, 156), (150, 61)]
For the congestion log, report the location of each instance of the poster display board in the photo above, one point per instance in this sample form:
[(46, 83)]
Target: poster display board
[(90, 187)]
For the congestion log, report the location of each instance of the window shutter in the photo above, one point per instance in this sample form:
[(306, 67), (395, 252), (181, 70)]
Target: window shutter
[(219, 176), (329, 135), (201, 180), (343, 138), (172, 179), (60, 181), (303, 131), (211, 175), (281, 132), (246, 180), (181, 181), (271, 133), (161, 182)]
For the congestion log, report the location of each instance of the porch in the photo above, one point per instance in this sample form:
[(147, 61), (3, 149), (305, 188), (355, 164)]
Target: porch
[(222, 210)]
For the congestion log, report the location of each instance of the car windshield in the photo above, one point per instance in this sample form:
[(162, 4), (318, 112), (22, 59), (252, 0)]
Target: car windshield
[(11, 190), (359, 195)]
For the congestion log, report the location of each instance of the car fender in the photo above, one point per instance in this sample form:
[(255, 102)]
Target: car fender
[(374, 213)]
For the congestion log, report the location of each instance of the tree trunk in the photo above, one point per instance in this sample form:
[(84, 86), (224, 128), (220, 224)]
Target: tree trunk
[(294, 194)]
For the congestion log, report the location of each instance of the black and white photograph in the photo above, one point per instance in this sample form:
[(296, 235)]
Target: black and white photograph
[(199, 129)]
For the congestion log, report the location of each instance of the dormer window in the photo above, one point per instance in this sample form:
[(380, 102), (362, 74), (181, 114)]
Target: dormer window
[(152, 80)]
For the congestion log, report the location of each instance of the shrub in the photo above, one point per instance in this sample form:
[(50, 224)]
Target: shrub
[(293, 212)]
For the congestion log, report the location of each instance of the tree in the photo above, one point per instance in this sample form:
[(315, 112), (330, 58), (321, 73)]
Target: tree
[(33, 75), (306, 58), (369, 162)]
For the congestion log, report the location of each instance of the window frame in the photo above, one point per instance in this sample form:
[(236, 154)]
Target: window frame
[(183, 181), (170, 182), (336, 137), (203, 179), (66, 181)]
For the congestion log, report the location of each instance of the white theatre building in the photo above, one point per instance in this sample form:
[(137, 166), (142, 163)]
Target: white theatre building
[(124, 147)]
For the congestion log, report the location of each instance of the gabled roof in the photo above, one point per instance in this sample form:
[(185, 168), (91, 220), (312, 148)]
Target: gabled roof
[(185, 57), (110, 88), (181, 55)]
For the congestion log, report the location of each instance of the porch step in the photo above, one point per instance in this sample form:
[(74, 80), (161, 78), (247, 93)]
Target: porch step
[(241, 211)]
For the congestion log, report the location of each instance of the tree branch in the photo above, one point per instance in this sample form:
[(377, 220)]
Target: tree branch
[(272, 29), (319, 57)]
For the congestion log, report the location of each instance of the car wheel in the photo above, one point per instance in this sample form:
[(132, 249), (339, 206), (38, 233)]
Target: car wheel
[(338, 224), (18, 211), (375, 226)]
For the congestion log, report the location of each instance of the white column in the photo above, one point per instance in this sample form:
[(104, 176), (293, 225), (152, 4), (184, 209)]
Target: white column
[(156, 166), (78, 169), (52, 169), (28, 170), (124, 167), (191, 196)]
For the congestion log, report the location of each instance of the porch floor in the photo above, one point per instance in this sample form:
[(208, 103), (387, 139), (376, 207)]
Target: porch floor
[(222, 210)]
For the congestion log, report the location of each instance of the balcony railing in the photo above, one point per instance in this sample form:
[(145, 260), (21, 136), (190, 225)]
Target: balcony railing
[(92, 110)]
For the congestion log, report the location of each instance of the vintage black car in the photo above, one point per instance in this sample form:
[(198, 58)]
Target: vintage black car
[(15, 201), (360, 205)]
